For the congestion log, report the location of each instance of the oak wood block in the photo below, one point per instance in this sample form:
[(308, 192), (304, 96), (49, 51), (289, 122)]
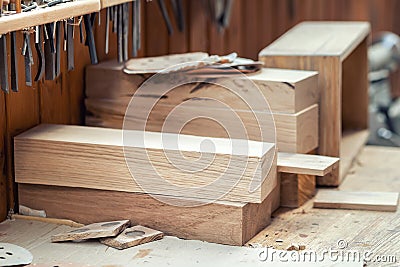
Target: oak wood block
[(132, 236), (338, 51), (89, 157), (94, 230), (287, 91), (377, 201), (231, 223), (296, 133)]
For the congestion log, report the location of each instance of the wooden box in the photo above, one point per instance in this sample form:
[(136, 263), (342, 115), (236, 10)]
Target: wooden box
[(338, 51)]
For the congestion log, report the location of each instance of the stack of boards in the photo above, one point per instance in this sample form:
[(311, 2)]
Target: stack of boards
[(292, 96), (80, 173)]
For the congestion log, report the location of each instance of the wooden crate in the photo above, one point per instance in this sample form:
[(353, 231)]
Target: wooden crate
[(338, 51)]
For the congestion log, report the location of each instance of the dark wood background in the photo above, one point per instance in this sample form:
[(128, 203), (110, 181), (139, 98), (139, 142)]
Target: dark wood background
[(254, 24)]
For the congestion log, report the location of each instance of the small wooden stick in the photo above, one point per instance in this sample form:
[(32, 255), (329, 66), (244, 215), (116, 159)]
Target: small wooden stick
[(48, 220)]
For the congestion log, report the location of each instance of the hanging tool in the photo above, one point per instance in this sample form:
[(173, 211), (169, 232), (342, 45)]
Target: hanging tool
[(90, 42), (125, 29), (164, 12), (3, 64), (119, 34), (58, 49), (135, 27), (39, 50), (107, 41), (226, 15), (220, 11), (15, 5), (177, 7), (27, 53), (70, 44), (49, 52)]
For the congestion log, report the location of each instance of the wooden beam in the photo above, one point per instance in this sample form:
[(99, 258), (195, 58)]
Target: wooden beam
[(71, 150), (296, 133), (377, 201), (220, 222)]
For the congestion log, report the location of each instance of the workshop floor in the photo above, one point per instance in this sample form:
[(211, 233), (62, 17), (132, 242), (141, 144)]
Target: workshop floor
[(317, 229)]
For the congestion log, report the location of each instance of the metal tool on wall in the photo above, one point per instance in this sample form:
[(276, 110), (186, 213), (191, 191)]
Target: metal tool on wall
[(220, 12), (177, 7)]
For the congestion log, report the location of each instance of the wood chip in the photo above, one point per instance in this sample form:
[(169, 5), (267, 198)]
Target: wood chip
[(95, 230), (133, 236)]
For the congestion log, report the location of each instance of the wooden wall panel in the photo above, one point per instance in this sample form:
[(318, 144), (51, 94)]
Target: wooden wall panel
[(254, 24)]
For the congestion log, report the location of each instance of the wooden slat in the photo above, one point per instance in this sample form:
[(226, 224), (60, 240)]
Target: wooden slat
[(105, 149), (46, 15), (220, 222), (306, 164), (4, 189), (296, 189), (377, 201)]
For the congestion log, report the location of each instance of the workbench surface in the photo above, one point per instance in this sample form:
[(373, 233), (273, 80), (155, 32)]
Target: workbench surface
[(317, 229)]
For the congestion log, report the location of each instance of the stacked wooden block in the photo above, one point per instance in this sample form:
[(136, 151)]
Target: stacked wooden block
[(292, 96), (81, 173)]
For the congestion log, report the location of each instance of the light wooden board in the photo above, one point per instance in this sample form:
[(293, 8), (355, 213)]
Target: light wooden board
[(287, 91), (90, 157), (319, 39), (296, 133), (306, 164), (109, 3), (220, 222), (94, 230), (133, 236), (46, 15), (334, 199), (335, 57)]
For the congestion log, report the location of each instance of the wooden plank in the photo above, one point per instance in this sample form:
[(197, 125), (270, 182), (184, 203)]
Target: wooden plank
[(378, 201), (105, 149), (287, 91), (220, 222), (94, 230), (46, 15), (295, 133), (319, 39), (133, 236), (306, 164), (108, 3)]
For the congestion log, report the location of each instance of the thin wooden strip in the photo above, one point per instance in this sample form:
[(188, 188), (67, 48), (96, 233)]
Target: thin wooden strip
[(376, 201), (47, 220), (306, 164), (46, 15)]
